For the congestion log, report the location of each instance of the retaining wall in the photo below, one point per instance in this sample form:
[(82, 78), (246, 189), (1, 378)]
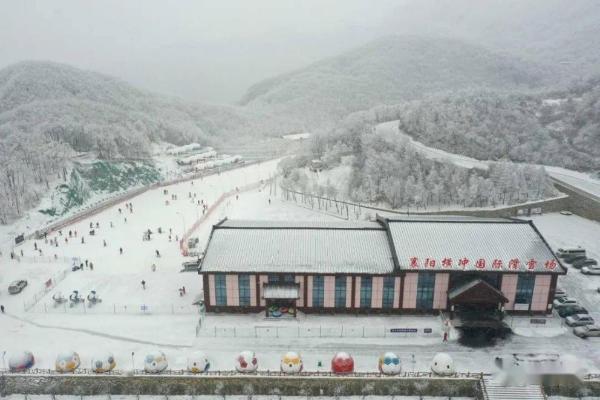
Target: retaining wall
[(237, 385)]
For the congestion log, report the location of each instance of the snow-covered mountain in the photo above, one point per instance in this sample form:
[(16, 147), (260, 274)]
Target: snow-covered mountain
[(387, 71)]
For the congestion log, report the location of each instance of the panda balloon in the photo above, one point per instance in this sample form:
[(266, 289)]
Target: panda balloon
[(197, 362), (103, 362), (442, 364), (155, 362), (291, 363), (20, 361), (246, 362), (67, 361), (389, 364)]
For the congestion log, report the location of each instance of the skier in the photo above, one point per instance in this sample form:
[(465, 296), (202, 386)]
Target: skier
[(121, 250), (40, 250), (119, 211), (86, 263), (144, 285), (91, 266), (91, 225), (82, 240), (97, 224), (66, 241), (269, 201), (153, 268), (2, 309), (70, 233), (21, 252), (157, 254), (104, 243), (111, 224), (183, 289), (60, 233), (125, 219), (35, 246)]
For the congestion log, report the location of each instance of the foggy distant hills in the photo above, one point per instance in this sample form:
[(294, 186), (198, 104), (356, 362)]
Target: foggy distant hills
[(389, 71)]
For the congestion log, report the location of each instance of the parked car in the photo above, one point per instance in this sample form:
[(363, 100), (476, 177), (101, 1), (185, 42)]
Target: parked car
[(17, 286), (566, 212), (568, 251), (574, 258), (587, 331), (591, 270), (567, 311), (579, 320), (564, 301), (584, 263)]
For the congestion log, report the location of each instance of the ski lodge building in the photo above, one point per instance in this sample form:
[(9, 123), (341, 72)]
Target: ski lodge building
[(403, 265)]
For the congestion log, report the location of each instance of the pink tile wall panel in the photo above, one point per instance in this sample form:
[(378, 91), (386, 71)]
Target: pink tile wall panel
[(349, 292), (329, 291), (397, 292), (233, 292), (261, 281), (211, 290), (309, 290), (410, 290), (253, 290), (440, 294), (377, 293), (509, 289), (357, 292), (300, 301), (539, 301)]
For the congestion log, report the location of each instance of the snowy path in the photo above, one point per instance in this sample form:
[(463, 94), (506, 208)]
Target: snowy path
[(576, 179)]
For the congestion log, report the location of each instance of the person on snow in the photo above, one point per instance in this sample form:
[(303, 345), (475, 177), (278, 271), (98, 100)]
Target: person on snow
[(2, 309), (91, 266), (104, 243), (66, 240), (70, 233), (157, 254), (82, 240), (153, 267), (120, 250), (97, 224), (125, 219), (86, 263), (111, 224), (119, 211), (21, 252), (144, 285), (75, 233), (183, 289), (34, 245), (91, 225)]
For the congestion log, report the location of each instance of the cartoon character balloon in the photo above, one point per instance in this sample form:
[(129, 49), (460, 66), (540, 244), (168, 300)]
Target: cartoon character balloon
[(155, 362), (442, 364), (20, 361), (342, 363), (389, 364), (67, 361), (102, 363), (291, 363), (197, 362), (246, 362)]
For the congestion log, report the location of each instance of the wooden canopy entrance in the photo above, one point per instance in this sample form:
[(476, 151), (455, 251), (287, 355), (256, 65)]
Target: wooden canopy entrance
[(280, 299), (477, 300)]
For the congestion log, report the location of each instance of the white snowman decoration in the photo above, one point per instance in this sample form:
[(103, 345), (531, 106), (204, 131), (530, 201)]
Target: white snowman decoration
[(389, 364), (103, 362), (291, 363), (442, 364), (197, 362), (246, 362), (155, 362), (67, 361)]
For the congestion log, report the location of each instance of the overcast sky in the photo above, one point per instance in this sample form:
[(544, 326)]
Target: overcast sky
[(200, 50)]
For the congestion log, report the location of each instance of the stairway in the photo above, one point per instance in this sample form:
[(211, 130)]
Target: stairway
[(492, 390)]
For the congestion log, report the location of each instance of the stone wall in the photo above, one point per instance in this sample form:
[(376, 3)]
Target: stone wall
[(84, 385), (580, 203)]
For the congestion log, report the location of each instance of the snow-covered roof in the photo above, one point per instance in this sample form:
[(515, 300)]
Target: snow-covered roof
[(298, 247), (470, 244), (281, 291)]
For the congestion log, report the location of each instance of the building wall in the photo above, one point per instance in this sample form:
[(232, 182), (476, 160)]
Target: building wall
[(233, 292), (300, 280), (509, 289), (329, 291), (539, 301), (309, 290), (410, 290), (253, 290), (397, 292), (211, 290), (262, 279), (440, 294), (349, 292), (357, 292), (377, 293)]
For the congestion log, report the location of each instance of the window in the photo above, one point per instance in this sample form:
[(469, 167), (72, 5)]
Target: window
[(273, 278), (340, 291), (425, 288), (318, 291), (389, 283), (288, 278), (220, 290), (525, 285), (244, 287), (366, 289)]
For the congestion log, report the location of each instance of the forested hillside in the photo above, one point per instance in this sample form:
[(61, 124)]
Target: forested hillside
[(559, 128), (387, 71)]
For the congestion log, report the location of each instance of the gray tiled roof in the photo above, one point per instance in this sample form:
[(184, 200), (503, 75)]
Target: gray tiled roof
[(307, 247), (472, 240)]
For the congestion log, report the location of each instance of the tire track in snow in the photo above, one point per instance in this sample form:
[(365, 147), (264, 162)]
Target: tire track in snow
[(100, 334)]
